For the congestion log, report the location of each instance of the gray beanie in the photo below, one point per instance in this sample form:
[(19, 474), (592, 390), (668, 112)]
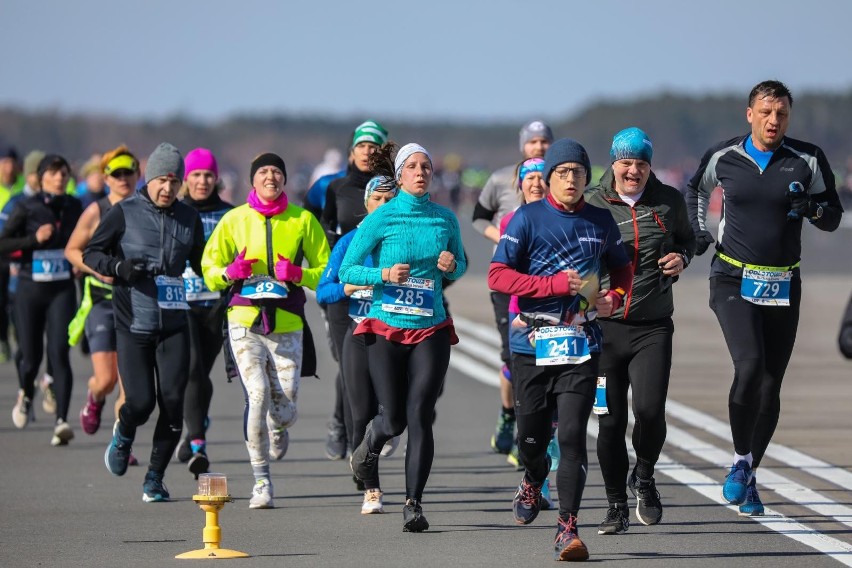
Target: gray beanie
[(566, 150), (165, 160), (535, 129)]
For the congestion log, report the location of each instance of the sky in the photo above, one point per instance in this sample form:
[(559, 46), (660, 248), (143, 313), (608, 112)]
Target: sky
[(433, 60)]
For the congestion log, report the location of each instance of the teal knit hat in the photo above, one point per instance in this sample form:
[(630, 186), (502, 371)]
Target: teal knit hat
[(370, 131), (631, 144)]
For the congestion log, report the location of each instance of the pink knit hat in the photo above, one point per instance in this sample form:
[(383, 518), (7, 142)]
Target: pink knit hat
[(201, 159)]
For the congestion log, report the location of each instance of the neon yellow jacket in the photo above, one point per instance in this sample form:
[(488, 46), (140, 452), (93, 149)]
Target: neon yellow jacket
[(293, 232)]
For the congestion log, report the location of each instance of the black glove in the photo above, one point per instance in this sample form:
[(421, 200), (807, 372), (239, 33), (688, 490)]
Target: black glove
[(703, 239), (131, 269), (801, 207)]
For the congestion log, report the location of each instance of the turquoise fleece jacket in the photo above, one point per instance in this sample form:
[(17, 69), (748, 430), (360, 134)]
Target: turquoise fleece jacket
[(408, 230)]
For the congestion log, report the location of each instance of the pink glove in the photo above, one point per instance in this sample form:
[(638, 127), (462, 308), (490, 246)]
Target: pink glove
[(286, 271), (240, 268)]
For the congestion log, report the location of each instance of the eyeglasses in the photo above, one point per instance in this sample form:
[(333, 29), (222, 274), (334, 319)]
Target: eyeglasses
[(123, 172), (577, 172)]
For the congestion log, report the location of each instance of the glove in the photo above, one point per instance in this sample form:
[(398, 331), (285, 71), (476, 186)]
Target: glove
[(801, 206), (240, 268), (703, 239), (286, 271), (132, 269)]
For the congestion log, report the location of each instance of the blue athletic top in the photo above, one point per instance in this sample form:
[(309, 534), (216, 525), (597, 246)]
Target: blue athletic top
[(330, 288), (542, 240), (762, 158)]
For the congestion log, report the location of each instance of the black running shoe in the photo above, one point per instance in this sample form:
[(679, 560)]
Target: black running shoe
[(649, 509), (617, 519), (527, 502), (335, 442), (412, 516)]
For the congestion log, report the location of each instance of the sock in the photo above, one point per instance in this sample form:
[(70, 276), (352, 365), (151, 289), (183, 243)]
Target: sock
[(260, 472), (509, 411), (747, 458), (197, 445)]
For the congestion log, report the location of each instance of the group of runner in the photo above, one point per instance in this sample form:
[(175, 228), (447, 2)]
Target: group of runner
[(581, 284)]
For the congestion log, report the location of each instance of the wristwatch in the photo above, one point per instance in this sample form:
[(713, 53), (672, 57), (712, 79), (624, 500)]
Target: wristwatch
[(818, 214)]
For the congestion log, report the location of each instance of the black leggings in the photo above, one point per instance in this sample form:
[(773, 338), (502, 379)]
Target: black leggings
[(4, 301), (500, 303), (637, 355), (407, 380), (154, 370), (338, 327), (45, 307), (760, 340), (358, 386), (539, 391), (205, 343)]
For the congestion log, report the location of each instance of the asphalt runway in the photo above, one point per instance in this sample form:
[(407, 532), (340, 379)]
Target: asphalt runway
[(60, 506)]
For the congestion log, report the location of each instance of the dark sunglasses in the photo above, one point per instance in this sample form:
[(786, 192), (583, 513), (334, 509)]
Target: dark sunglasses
[(123, 172)]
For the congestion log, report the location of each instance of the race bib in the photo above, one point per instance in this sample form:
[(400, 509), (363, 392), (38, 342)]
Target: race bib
[(766, 285), (561, 345), (171, 294), (195, 288), (50, 265), (416, 296), (359, 304), (261, 287)]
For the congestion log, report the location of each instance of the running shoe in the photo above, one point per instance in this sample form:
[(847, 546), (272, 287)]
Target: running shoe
[(5, 352), (198, 463), (62, 434), (22, 412), (514, 459), (364, 463), (359, 485), (90, 415), (48, 401), (568, 545), (183, 453), (752, 506), (546, 499), (118, 452), (649, 509), (279, 441), (132, 460), (527, 502), (390, 447), (736, 483), (553, 452), (412, 517), (261, 495), (335, 442), (504, 435), (617, 519), (372, 502), (153, 489)]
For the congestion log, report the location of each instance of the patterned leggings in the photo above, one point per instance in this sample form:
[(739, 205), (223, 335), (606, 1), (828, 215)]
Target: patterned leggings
[(269, 368)]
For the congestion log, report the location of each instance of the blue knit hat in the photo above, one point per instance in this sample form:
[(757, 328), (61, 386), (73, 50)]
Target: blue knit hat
[(631, 144), (566, 150)]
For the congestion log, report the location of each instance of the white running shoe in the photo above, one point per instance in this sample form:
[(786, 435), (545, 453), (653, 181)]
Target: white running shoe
[(390, 447), (62, 434), (22, 413), (372, 502), (261, 495), (48, 402), (279, 441)]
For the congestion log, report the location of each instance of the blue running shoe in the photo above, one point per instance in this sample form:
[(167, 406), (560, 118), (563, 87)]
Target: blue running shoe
[(117, 454), (154, 490), (546, 499), (752, 506), (736, 483), (553, 452), (504, 434), (527, 502)]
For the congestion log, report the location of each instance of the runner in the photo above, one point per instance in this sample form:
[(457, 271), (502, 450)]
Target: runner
[(95, 317), (414, 243), (770, 184), (358, 387), (11, 184), (144, 242), (256, 250), (39, 227), (499, 196), (206, 315), (343, 210), (551, 256), (637, 338)]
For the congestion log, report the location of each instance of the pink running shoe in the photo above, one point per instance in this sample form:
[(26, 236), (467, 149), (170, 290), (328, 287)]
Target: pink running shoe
[(90, 415)]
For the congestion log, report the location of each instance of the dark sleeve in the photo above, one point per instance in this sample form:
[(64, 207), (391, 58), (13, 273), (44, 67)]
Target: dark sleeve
[(844, 340), (197, 246), (684, 236), (12, 237), (482, 212), (832, 210), (102, 253), (328, 220)]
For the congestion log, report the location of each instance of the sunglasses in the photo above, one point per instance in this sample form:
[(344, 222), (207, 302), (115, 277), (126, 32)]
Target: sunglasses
[(123, 172)]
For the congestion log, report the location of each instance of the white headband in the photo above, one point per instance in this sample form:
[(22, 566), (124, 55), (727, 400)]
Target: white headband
[(404, 153)]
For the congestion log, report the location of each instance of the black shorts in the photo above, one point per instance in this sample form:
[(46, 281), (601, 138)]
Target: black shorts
[(100, 328), (535, 387)]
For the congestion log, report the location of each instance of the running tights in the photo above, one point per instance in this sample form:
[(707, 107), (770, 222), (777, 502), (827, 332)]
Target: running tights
[(358, 386), (205, 343)]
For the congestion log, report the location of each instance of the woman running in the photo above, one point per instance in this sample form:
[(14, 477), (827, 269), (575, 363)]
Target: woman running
[(358, 387), (39, 227), (414, 243), (256, 251)]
